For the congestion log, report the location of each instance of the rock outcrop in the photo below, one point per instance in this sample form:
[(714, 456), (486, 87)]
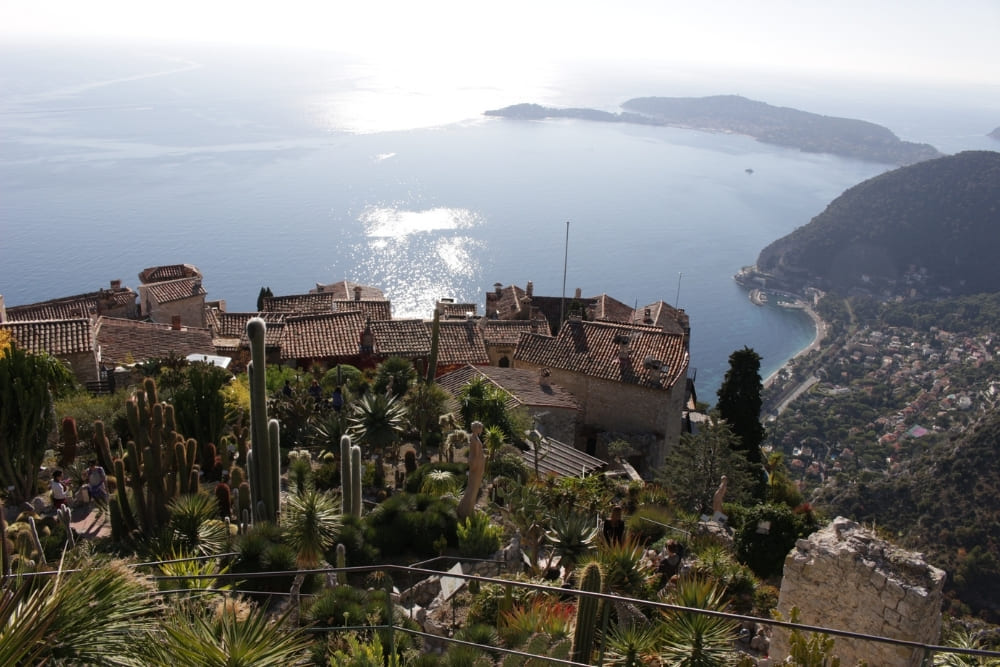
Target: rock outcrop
[(844, 576)]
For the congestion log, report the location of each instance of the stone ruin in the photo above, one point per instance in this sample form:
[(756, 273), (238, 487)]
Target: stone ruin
[(846, 577)]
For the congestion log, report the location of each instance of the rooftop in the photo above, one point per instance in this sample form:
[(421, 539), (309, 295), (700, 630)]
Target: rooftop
[(56, 337), (128, 341)]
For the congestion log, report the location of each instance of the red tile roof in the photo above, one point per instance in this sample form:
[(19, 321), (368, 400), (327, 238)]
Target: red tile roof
[(457, 310), (507, 304), (175, 290), (460, 342), (663, 315), (56, 337), (345, 290), (522, 385), (230, 329), (508, 332), (70, 307), (403, 338), (322, 335), (157, 274), (300, 303), (129, 341), (375, 309), (610, 309), (630, 354)]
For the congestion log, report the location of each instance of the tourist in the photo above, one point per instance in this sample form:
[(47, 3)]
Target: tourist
[(287, 389), (58, 489), (316, 391), (338, 399), (96, 482), (670, 562), (614, 526)]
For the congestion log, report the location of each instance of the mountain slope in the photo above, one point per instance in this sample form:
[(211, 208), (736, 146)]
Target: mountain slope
[(938, 221)]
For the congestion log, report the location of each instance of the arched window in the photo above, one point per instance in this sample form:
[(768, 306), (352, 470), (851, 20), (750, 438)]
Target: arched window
[(504, 362)]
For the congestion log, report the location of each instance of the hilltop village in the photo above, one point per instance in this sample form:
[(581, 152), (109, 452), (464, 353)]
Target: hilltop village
[(610, 372)]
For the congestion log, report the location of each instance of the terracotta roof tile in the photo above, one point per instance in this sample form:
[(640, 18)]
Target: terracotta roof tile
[(522, 385), (158, 274), (345, 290), (612, 310), (403, 338), (457, 310), (230, 329), (70, 307), (663, 315), (375, 309), (129, 341), (460, 342), (507, 304), (56, 337), (301, 304), (508, 332), (622, 353), (175, 290), (322, 335)]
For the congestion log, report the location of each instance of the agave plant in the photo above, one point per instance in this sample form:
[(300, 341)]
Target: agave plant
[(194, 525), (633, 645), (226, 637), (91, 615), (697, 640), (572, 536), (626, 571), (440, 483), (310, 523), (378, 421), (198, 569)]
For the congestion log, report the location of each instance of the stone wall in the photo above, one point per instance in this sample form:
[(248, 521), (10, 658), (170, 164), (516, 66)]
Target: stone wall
[(845, 577)]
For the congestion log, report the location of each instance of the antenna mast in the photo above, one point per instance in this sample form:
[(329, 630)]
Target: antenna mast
[(562, 302), (677, 300)]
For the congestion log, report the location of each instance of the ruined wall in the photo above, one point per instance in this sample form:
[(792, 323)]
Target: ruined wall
[(845, 577)]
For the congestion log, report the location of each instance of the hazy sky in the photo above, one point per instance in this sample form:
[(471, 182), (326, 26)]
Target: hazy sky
[(929, 40)]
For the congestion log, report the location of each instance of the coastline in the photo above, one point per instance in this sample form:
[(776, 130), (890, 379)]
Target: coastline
[(815, 344)]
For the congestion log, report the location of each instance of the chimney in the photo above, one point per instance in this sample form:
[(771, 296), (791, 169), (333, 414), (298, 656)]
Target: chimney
[(195, 287), (497, 288), (357, 292), (175, 322), (116, 285), (530, 289), (648, 317), (578, 294)]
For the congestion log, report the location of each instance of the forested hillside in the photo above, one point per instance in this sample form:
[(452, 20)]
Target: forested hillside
[(932, 227)]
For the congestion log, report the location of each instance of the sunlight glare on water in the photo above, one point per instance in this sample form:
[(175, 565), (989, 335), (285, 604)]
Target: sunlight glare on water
[(419, 256)]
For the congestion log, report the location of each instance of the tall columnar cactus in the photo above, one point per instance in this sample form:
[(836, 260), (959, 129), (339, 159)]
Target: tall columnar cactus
[(591, 579), (120, 506), (346, 495), (99, 441), (67, 453), (341, 564), (263, 463), (356, 504)]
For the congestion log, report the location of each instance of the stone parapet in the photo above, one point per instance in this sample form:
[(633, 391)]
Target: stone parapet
[(846, 577)]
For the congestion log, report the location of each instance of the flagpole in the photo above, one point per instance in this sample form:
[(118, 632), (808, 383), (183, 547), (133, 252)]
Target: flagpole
[(562, 302)]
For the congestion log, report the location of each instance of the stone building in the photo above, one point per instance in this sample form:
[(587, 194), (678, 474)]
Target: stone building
[(70, 340), (629, 379), (172, 294), (115, 301), (124, 342), (555, 412), (844, 576)]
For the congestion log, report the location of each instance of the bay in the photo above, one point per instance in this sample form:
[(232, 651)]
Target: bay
[(258, 178)]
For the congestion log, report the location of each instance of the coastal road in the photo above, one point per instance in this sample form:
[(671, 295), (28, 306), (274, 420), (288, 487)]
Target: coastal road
[(803, 387)]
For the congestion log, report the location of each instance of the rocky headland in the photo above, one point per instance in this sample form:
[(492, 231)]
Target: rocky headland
[(782, 126)]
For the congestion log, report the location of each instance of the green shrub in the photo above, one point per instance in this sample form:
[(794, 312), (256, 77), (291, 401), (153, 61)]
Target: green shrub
[(327, 476), (477, 537), (409, 523), (492, 599), (352, 535), (653, 530), (767, 534)]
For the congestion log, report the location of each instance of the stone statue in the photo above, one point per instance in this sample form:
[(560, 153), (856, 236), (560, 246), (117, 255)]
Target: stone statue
[(720, 494), (477, 466)]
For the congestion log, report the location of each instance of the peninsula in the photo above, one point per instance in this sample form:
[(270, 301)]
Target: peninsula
[(781, 126)]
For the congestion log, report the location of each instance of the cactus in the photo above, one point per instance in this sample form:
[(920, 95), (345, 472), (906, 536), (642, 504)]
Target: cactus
[(224, 496), (243, 502), (5, 550), (235, 477), (36, 543), (341, 564), (356, 505), (67, 453), (346, 495), (591, 579), (103, 448), (263, 465), (125, 521), (208, 455), (65, 516)]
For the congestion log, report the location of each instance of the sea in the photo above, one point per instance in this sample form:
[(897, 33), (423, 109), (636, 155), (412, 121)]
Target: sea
[(286, 169)]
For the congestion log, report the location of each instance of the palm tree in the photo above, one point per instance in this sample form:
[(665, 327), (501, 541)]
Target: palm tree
[(378, 421), (692, 639), (311, 523), (394, 376)]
